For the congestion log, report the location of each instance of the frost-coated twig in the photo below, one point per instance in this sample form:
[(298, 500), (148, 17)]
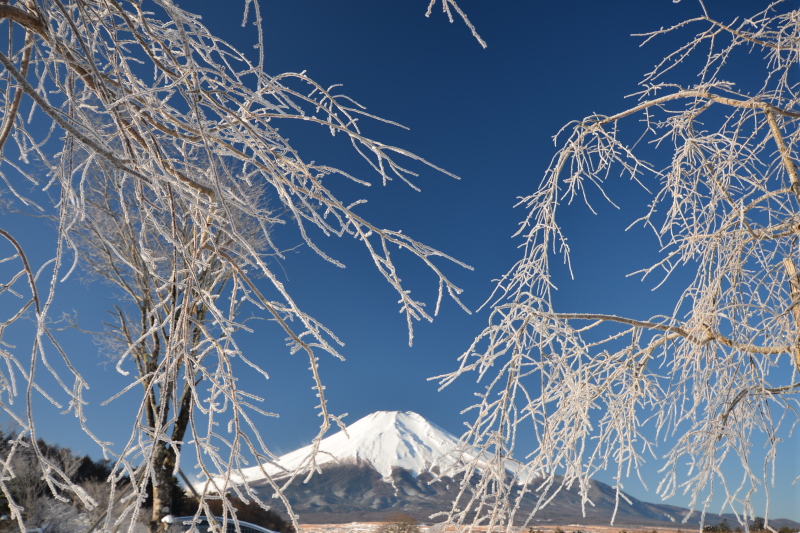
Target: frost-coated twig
[(716, 374), (158, 145)]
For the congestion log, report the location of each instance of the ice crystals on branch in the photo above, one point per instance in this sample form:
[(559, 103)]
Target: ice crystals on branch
[(717, 373), (170, 179), (448, 6)]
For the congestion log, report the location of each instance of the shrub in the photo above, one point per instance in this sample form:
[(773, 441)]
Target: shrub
[(399, 523)]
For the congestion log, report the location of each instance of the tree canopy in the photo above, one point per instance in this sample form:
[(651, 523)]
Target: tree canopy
[(716, 372), (156, 153)]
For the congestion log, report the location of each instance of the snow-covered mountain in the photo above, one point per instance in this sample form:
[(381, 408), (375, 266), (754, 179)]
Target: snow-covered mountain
[(385, 463), (383, 440)]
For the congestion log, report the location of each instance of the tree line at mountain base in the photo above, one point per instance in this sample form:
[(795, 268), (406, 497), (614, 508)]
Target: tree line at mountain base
[(42, 509)]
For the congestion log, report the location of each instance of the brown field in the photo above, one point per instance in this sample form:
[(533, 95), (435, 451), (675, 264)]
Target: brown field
[(366, 527)]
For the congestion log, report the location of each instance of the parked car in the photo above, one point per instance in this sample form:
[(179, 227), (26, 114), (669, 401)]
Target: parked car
[(181, 524)]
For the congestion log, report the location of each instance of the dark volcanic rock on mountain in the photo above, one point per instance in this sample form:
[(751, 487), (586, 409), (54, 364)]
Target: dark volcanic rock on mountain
[(355, 491)]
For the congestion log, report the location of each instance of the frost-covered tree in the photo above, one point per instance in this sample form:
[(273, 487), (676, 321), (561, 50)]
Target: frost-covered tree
[(158, 320), (715, 374), (26, 485), (153, 145)]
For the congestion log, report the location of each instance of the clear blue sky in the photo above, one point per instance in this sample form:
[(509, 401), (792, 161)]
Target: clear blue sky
[(485, 115)]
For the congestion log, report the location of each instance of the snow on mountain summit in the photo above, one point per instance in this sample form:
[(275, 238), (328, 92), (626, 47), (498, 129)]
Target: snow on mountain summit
[(384, 440)]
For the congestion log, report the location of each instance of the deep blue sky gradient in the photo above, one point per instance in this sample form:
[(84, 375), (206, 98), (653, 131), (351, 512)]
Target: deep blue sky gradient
[(487, 116)]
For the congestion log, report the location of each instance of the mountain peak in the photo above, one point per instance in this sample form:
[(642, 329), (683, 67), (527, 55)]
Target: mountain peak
[(384, 440), (381, 458)]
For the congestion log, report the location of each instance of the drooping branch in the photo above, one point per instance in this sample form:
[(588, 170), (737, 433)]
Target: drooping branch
[(710, 372), (709, 334), (794, 292), (24, 18)]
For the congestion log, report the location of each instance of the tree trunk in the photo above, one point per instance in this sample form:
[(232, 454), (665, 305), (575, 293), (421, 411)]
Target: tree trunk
[(794, 291), (162, 487)]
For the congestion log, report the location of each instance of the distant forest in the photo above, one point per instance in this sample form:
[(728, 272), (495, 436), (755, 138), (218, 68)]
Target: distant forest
[(22, 480)]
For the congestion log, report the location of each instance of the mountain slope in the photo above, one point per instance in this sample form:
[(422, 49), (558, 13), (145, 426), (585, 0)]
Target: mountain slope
[(386, 462)]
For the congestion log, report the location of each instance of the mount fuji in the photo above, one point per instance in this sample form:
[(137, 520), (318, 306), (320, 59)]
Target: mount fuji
[(384, 441), (385, 464)]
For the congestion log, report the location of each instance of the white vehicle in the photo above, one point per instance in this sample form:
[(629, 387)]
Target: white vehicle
[(181, 524)]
